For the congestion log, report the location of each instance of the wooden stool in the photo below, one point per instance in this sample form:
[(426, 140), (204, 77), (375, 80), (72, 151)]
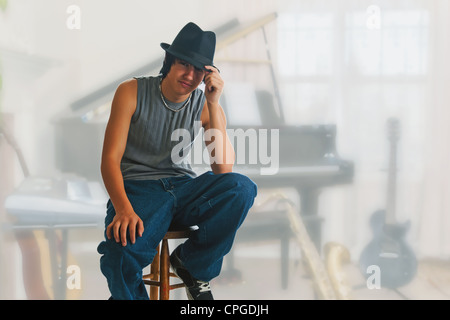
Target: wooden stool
[(160, 274)]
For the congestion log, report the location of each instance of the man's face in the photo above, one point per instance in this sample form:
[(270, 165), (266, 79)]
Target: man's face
[(184, 77)]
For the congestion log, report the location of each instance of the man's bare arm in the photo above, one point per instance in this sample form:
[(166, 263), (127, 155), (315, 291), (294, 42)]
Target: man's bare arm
[(122, 109), (214, 122)]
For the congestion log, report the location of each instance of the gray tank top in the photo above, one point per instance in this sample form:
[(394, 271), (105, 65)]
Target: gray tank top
[(153, 134)]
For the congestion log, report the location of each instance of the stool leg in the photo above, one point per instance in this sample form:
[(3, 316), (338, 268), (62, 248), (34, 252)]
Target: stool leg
[(164, 268), (154, 270)]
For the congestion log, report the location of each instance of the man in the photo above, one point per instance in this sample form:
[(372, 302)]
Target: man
[(149, 191)]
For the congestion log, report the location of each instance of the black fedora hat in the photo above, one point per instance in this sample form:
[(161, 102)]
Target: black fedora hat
[(193, 45)]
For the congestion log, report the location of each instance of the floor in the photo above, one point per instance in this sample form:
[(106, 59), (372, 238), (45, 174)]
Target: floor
[(261, 280), (257, 276)]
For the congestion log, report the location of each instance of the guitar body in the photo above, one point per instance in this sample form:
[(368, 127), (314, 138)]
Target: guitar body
[(389, 251)]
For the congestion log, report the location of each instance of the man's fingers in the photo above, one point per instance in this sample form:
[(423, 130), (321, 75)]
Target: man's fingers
[(132, 231), (212, 69), (123, 233), (211, 82), (121, 227), (213, 79), (108, 230), (140, 227), (134, 227), (116, 231)]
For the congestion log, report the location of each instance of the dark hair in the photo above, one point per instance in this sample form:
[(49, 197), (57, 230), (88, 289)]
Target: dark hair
[(169, 60)]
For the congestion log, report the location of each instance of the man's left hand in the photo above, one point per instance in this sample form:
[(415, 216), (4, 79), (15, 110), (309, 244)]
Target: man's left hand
[(213, 85)]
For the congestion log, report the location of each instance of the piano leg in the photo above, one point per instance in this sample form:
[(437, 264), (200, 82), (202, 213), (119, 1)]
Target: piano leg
[(308, 211)]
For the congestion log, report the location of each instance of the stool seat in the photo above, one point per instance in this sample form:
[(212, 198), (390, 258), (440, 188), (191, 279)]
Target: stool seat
[(179, 232), (159, 275)]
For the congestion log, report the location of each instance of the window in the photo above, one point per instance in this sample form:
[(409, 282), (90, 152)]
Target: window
[(398, 47), (335, 68), (305, 51)]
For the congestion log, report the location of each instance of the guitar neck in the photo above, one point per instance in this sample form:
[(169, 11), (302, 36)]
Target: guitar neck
[(392, 179)]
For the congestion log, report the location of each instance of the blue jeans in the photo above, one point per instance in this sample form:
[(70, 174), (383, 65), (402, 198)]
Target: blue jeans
[(216, 203)]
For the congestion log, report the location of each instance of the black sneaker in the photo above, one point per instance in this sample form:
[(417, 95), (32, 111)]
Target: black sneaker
[(195, 288)]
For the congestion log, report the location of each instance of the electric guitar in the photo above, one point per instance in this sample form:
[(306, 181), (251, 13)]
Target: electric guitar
[(388, 250)]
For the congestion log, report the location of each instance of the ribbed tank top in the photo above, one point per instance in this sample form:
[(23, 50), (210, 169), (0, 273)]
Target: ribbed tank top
[(148, 152)]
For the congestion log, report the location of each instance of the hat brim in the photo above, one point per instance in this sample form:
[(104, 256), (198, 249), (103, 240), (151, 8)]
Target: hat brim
[(180, 55)]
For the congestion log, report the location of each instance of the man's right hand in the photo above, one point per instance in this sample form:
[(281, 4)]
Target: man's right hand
[(123, 222)]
